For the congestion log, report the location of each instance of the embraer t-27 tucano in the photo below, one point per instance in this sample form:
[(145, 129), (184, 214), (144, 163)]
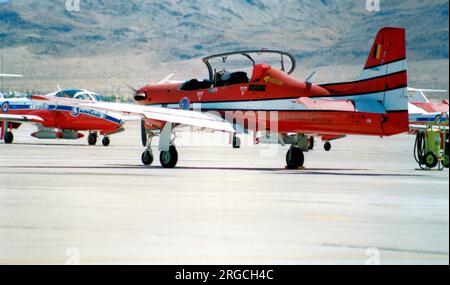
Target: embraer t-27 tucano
[(271, 101)]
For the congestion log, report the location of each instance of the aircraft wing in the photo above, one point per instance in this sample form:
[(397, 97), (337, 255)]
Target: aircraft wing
[(10, 75), (21, 118), (190, 118)]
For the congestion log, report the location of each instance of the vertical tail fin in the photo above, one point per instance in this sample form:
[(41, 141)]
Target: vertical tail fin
[(383, 84), (386, 65), (389, 46)]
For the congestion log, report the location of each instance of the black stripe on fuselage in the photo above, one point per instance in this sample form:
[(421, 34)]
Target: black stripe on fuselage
[(362, 80), (306, 110), (385, 63), (286, 98)]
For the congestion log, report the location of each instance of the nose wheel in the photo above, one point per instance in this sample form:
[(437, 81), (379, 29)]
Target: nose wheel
[(169, 159), (295, 158)]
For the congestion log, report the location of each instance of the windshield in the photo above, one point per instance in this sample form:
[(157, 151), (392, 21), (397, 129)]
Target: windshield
[(244, 61), (96, 97), (67, 93)]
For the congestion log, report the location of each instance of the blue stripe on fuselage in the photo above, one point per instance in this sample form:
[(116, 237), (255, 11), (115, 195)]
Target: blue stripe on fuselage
[(62, 108)]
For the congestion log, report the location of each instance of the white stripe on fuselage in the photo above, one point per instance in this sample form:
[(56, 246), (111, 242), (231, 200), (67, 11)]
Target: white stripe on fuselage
[(383, 70), (394, 100)]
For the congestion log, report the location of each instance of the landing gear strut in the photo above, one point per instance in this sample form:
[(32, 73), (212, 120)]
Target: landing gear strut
[(147, 156), (236, 142)]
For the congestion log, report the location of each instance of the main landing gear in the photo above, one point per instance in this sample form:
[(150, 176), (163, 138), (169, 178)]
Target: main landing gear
[(168, 156), (168, 159), (295, 158), (106, 141), (327, 146), (93, 138), (236, 142), (147, 157), (300, 143), (6, 133), (9, 138)]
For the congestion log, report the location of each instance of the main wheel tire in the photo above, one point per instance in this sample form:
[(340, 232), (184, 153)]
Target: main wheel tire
[(327, 146), (9, 138), (295, 158), (169, 158), (92, 139), (431, 160), (147, 158), (106, 141), (236, 142)]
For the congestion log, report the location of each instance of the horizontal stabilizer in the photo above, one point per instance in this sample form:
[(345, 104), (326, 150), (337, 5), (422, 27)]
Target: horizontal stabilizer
[(369, 106), (328, 105)]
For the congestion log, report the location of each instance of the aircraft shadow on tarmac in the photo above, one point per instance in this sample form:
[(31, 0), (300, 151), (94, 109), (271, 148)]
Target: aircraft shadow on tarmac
[(308, 171)]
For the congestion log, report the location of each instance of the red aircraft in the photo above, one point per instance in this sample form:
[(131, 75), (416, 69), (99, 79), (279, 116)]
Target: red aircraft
[(271, 101), (59, 121)]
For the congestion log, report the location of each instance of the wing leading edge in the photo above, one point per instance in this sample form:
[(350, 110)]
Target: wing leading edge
[(190, 118)]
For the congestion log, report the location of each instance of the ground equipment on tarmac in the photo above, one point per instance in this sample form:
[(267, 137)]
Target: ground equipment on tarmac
[(431, 149)]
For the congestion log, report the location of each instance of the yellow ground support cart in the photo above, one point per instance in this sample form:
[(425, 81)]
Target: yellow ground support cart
[(432, 144)]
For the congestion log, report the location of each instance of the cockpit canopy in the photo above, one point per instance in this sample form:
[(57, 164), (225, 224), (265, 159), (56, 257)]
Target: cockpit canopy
[(240, 67), (79, 95)]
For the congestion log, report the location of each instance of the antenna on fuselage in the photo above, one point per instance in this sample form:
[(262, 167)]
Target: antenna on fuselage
[(310, 80)]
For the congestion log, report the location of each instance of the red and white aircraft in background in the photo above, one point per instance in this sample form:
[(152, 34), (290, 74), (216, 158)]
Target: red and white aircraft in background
[(59, 121), (269, 100), (423, 111)]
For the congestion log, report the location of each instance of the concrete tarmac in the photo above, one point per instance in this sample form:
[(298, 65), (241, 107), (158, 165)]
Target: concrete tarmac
[(365, 202)]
